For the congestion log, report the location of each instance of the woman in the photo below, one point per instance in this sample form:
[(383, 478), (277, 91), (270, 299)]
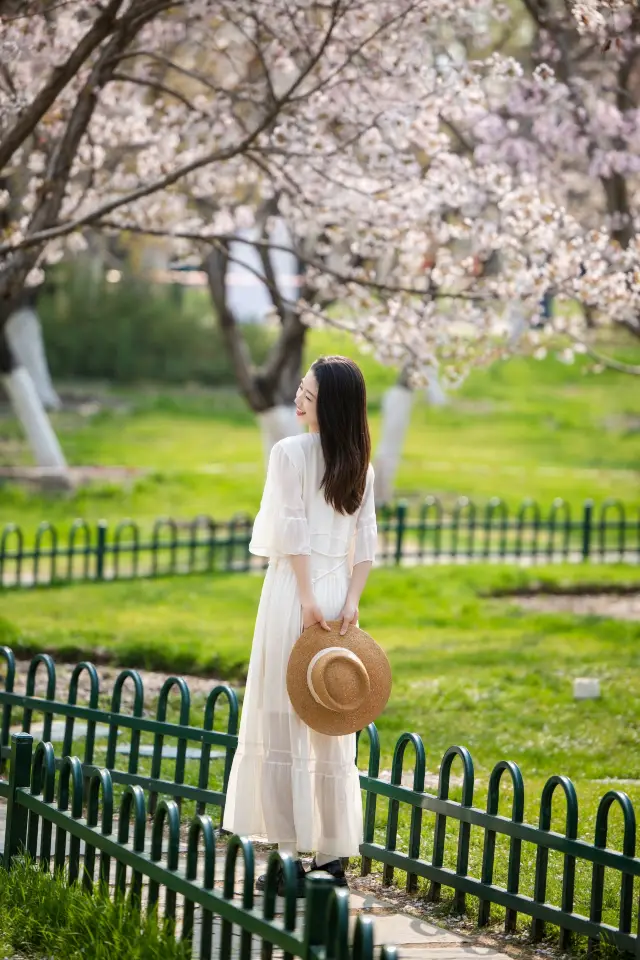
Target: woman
[(317, 525)]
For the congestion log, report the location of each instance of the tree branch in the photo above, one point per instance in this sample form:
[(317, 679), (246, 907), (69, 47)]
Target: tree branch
[(61, 76), (57, 174), (44, 234), (610, 362), (376, 285), (158, 87), (215, 266)]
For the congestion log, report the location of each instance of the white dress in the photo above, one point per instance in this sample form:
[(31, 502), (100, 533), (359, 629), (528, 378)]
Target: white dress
[(289, 784)]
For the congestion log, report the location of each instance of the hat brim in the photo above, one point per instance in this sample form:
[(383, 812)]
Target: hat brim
[(318, 717)]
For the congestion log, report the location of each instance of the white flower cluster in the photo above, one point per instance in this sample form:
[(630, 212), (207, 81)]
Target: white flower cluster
[(426, 191)]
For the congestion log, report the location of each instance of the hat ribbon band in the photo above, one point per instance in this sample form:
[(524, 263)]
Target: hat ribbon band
[(347, 654)]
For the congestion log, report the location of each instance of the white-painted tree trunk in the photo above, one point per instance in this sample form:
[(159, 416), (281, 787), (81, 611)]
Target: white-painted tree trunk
[(434, 392), (396, 414), (516, 322), (276, 424), (24, 334), (30, 412)]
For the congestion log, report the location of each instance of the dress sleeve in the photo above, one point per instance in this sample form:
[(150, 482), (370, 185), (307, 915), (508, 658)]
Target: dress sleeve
[(281, 528), (366, 527)]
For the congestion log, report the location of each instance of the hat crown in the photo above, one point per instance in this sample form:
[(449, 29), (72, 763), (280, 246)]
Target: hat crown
[(337, 683), (338, 679)]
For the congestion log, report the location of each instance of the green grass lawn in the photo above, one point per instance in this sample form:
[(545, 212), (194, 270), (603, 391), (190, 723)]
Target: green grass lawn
[(469, 668), (521, 428)]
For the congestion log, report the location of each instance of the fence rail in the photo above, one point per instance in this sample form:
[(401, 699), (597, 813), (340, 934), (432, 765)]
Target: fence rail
[(467, 533), (593, 874)]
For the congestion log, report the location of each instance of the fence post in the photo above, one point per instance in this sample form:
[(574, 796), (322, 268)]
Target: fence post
[(15, 836), (401, 521), (587, 529), (319, 889), (101, 548)]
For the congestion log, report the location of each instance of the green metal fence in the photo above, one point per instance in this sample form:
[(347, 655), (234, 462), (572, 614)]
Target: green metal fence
[(208, 916), (592, 873), (577, 854), (609, 532), (102, 723)]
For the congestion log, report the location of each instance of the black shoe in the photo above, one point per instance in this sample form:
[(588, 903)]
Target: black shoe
[(261, 882), (334, 867)]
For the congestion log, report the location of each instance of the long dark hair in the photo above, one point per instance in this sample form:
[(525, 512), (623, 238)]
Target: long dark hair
[(344, 431)]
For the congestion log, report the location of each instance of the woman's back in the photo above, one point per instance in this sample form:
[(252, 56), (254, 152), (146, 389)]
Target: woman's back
[(312, 525)]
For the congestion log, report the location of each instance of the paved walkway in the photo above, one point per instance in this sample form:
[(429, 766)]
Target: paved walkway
[(415, 937)]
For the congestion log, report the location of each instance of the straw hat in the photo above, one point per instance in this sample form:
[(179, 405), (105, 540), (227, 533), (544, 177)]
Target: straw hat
[(338, 685)]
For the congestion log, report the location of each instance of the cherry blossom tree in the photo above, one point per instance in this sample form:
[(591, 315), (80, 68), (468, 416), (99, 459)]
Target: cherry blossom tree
[(395, 170)]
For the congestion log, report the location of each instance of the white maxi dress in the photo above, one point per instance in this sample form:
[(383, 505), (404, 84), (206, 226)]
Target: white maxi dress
[(289, 784)]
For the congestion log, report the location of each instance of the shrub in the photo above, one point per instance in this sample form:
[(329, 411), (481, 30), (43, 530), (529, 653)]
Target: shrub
[(135, 330)]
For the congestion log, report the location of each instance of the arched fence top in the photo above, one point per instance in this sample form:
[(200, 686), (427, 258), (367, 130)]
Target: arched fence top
[(167, 812), (496, 505), (235, 846), (530, 506), (50, 667), (132, 802), (576, 853), (241, 519), (612, 505), (185, 699), (100, 784), (8, 531), (159, 526), (431, 503), (560, 506), (79, 526), (461, 505), (94, 683), (201, 833), (6, 653), (609, 800), (420, 762), (548, 791), (126, 526), (202, 522), (43, 772), (71, 778), (222, 690), (337, 941), (44, 528), (280, 861), (468, 774), (517, 783), (374, 748), (138, 687)]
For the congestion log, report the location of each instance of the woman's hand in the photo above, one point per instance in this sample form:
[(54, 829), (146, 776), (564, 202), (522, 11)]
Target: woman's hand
[(349, 615), (311, 613)]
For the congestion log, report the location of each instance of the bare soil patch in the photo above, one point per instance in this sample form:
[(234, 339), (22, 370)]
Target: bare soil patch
[(153, 681), (588, 605)]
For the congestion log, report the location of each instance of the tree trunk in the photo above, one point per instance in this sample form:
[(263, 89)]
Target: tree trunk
[(275, 424), (24, 334), (29, 410), (396, 414), (270, 390), (396, 417)]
